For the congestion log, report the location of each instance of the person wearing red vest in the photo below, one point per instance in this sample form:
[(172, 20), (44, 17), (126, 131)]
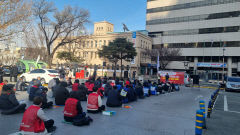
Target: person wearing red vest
[(73, 111), (75, 86), (34, 119), (94, 102)]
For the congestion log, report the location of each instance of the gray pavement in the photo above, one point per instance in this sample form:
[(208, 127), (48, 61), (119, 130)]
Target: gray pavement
[(166, 114), (225, 117)]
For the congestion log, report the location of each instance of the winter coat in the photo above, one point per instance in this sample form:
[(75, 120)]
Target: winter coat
[(131, 95), (139, 91), (114, 99), (37, 92), (8, 101), (61, 95), (107, 88), (82, 93), (15, 70)]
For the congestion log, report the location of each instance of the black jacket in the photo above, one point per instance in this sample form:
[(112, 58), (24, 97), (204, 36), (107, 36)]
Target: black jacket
[(114, 98), (37, 92), (61, 95), (139, 91), (107, 88), (132, 95), (15, 70), (8, 101), (82, 93)]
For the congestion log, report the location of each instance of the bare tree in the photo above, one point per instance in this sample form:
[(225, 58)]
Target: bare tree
[(59, 29), (166, 55), (14, 17), (34, 41)]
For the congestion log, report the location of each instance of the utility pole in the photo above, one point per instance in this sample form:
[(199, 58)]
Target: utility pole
[(223, 63)]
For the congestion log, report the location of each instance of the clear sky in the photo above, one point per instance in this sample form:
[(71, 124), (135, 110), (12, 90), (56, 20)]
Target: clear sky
[(130, 12)]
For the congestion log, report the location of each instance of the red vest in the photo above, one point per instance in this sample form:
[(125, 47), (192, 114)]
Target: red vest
[(92, 101), (75, 87), (90, 88), (99, 91), (70, 109), (31, 122)]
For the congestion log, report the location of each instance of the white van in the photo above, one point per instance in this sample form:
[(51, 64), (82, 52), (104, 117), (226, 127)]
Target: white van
[(233, 84)]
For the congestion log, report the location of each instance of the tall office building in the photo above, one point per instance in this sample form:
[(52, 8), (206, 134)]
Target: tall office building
[(205, 30)]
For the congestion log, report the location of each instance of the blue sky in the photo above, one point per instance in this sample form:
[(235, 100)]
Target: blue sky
[(130, 12)]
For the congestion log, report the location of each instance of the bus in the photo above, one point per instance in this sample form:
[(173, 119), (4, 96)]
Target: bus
[(29, 65)]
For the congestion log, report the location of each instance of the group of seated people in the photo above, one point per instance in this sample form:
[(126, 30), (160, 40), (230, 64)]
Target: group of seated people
[(70, 96)]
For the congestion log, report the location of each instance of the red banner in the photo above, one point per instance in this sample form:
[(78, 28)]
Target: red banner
[(174, 77)]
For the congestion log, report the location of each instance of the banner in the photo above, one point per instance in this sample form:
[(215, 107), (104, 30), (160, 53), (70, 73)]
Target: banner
[(174, 77), (216, 65)]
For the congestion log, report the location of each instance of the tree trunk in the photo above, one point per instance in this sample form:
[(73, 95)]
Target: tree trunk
[(50, 61), (115, 68)]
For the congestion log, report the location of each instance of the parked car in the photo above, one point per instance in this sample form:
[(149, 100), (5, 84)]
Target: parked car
[(6, 70), (233, 84), (45, 74)]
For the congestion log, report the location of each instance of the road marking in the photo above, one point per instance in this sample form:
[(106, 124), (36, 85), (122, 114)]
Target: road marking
[(234, 112), (198, 97), (225, 103)]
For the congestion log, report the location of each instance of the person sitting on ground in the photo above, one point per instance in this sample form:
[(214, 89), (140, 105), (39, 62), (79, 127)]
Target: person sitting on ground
[(20, 85), (31, 83), (94, 102), (82, 92), (36, 91), (114, 99), (75, 86), (61, 94), (8, 101), (107, 88), (57, 82), (131, 95), (73, 111), (35, 121), (69, 81), (5, 82), (139, 90), (39, 80)]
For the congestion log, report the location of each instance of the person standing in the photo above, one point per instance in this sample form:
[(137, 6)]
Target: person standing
[(167, 77), (1, 73), (15, 72), (11, 73)]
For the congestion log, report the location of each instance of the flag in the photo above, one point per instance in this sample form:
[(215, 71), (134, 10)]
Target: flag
[(38, 59), (158, 64)]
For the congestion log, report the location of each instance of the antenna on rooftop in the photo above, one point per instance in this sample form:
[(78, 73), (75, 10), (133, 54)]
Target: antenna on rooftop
[(125, 28)]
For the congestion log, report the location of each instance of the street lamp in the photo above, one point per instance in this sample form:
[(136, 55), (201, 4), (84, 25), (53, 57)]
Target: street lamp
[(186, 64)]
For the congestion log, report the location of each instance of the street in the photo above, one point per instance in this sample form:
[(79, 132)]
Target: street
[(225, 116), (166, 114)]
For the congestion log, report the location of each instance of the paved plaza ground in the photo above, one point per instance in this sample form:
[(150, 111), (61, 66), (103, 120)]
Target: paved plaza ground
[(166, 114)]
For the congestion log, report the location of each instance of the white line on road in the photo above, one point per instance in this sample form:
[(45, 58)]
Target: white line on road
[(225, 103)]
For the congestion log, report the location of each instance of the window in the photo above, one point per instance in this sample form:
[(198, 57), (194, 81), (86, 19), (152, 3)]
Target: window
[(91, 55), (87, 44), (96, 43), (83, 44), (104, 42), (95, 54), (52, 71), (100, 43), (190, 5), (91, 44)]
